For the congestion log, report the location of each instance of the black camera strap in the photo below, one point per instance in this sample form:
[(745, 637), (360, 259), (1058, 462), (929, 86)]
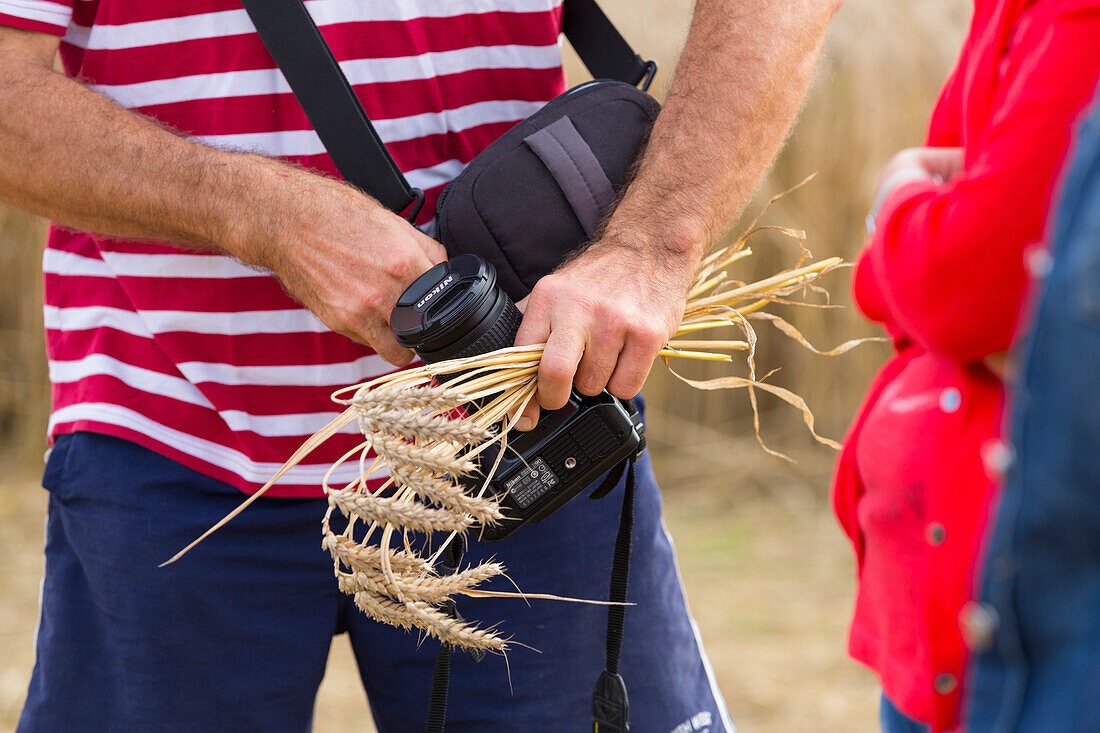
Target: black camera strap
[(451, 561), (298, 48), (610, 704)]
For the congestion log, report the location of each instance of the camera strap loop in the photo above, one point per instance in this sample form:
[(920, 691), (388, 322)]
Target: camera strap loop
[(610, 481), (610, 705)]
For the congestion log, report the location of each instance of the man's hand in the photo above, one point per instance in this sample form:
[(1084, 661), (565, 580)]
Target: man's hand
[(341, 255), (350, 272), (603, 316)]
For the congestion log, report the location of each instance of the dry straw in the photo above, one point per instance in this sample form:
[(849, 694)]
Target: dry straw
[(416, 430)]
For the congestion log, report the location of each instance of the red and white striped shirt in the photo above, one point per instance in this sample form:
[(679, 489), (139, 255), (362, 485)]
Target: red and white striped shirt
[(198, 356)]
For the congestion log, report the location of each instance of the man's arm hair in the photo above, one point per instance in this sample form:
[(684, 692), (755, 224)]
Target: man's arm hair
[(738, 86), (73, 156), (76, 157)]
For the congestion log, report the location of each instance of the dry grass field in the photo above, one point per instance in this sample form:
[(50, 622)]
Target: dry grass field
[(768, 572)]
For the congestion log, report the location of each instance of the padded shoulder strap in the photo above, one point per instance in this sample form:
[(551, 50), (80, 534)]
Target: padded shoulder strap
[(293, 40)]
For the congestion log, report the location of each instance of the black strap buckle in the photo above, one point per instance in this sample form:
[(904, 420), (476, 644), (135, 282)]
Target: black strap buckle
[(415, 207), (610, 706), (650, 72)]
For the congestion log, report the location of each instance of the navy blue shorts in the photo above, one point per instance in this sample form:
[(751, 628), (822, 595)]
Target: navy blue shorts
[(235, 636)]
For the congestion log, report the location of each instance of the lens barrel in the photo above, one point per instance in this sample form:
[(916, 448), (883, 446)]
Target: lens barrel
[(454, 310)]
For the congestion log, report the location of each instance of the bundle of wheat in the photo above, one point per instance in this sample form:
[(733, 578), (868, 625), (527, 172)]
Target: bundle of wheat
[(415, 428)]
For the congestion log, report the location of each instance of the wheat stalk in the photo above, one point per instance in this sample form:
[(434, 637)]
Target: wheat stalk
[(428, 588), (452, 496), (368, 558), (420, 426)]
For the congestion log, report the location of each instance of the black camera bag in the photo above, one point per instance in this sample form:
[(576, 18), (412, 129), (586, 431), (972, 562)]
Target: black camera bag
[(543, 187), (529, 199)]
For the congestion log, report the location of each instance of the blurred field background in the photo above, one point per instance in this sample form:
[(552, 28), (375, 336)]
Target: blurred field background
[(768, 573)]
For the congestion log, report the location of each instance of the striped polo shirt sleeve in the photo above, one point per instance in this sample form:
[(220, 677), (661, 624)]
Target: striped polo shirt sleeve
[(44, 16)]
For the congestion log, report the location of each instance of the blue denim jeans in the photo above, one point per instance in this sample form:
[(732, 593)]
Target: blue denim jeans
[(1041, 671), (893, 720)]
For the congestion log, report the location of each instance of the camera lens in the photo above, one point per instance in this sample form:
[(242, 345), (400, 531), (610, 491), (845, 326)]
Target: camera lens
[(455, 309)]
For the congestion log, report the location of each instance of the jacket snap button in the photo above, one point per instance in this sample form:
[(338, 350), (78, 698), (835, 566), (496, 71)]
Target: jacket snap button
[(998, 457), (1037, 260), (935, 533), (950, 399), (978, 623), (945, 683)]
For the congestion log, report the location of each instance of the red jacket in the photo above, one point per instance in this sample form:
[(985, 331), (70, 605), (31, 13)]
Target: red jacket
[(945, 274)]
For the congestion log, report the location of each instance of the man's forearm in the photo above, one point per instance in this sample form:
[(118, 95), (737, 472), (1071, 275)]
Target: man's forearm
[(69, 154), (737, 88)]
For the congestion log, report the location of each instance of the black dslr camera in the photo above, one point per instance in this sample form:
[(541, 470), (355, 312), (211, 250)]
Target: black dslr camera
[(456, 309)]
